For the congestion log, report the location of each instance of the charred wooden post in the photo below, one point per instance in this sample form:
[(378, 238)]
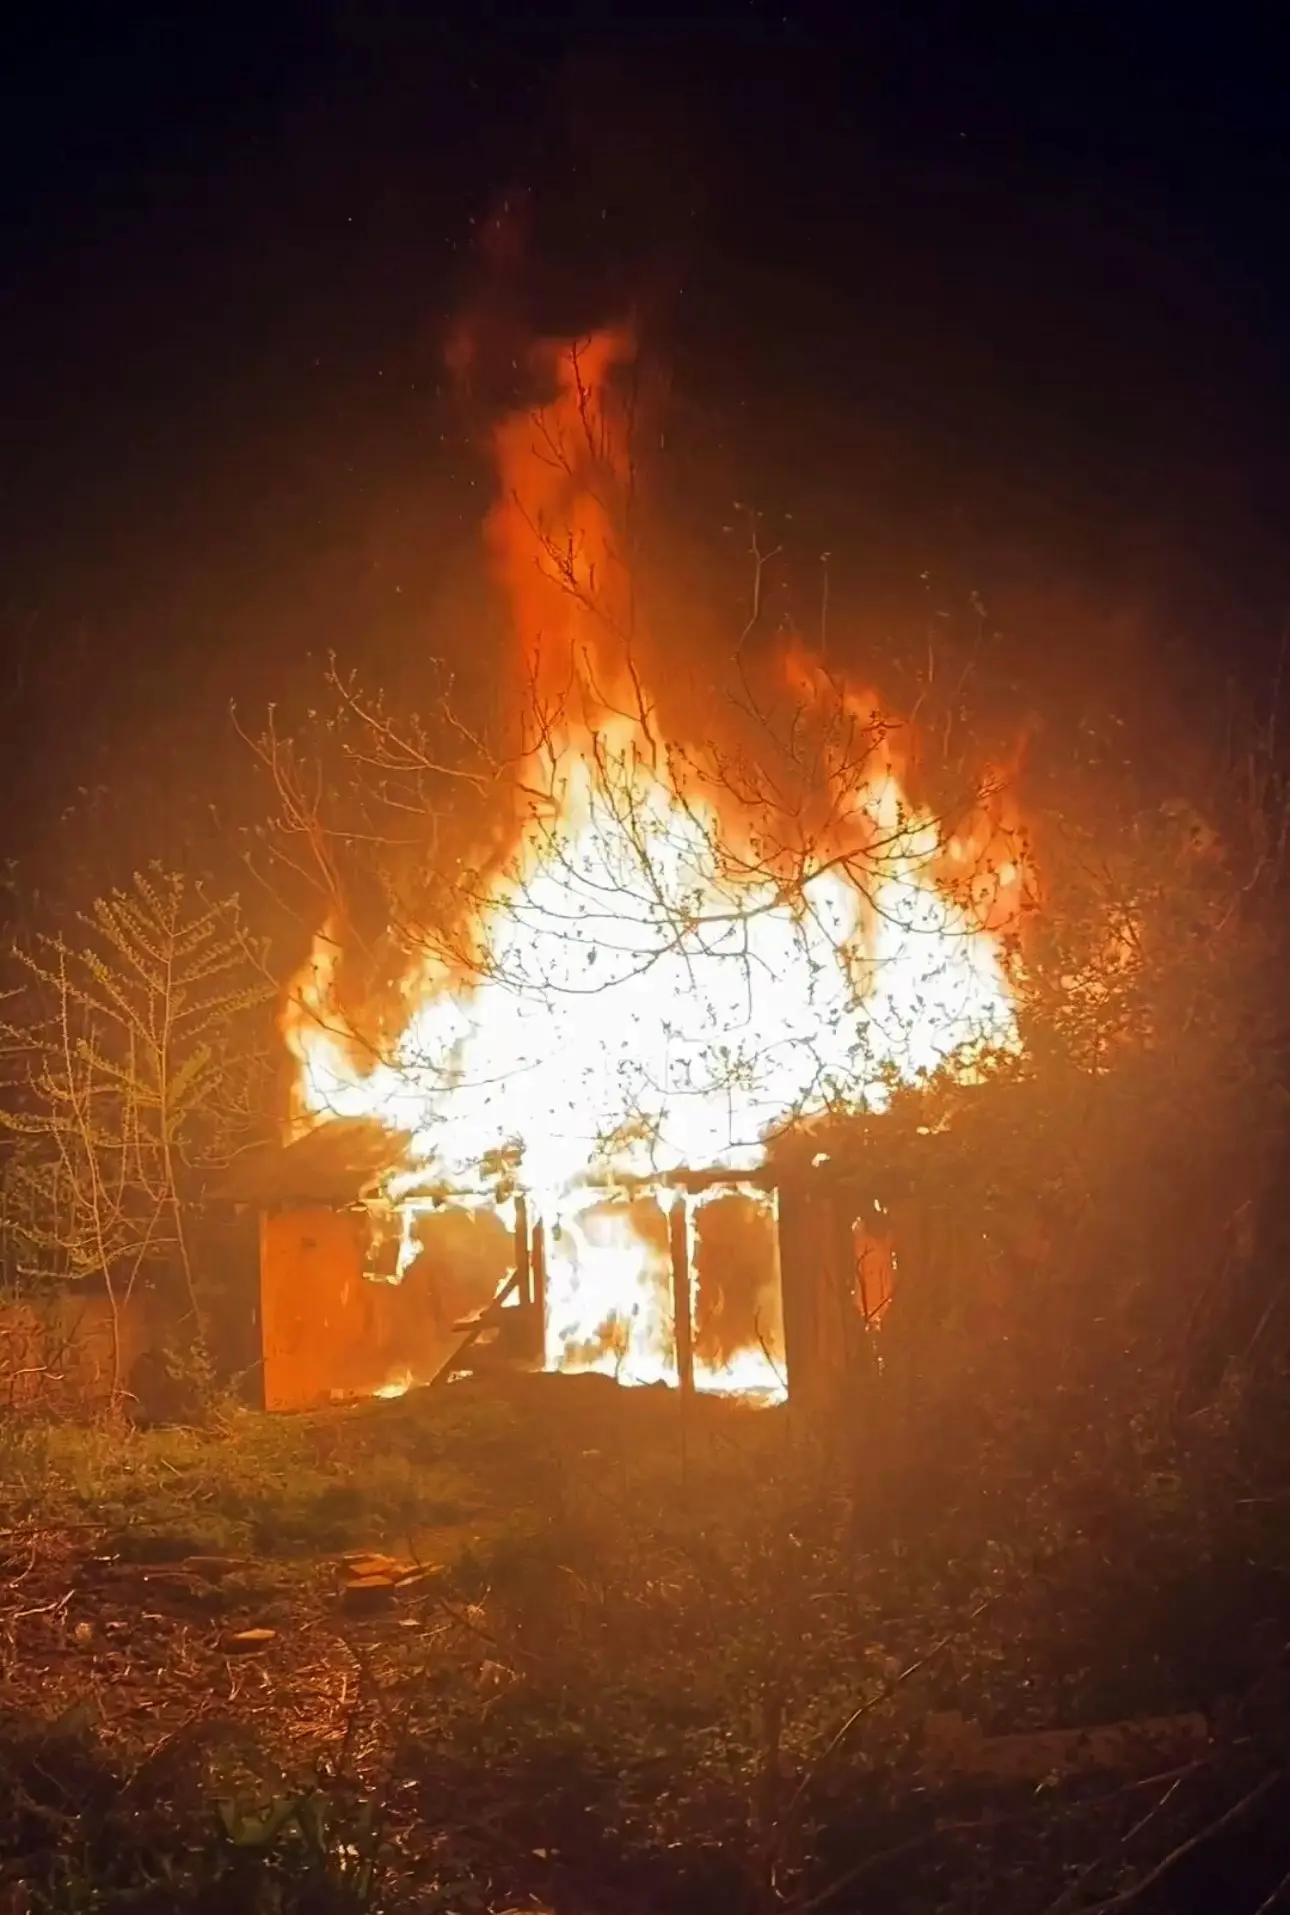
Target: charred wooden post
[(817, 1280), (537, 1288), (523, 1261), (682, 1299), (796, 1285)]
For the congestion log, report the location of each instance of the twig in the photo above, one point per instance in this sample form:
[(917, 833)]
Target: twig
[(883, 1694), (1067, 1897), (466, 1622), (1269, 1902), (825, 1895), (42, 1609), (1128, 1896)]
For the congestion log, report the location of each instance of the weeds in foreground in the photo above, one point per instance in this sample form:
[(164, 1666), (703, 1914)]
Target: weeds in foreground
[(82, 1831), (643, 1675), (247, 1482)]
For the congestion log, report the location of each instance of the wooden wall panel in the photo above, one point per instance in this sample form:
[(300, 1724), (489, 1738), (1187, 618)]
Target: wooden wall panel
[(318, 1313)]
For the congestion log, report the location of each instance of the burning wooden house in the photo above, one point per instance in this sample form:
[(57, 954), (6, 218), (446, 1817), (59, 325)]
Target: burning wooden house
[(704, 1280), (549, 1139)]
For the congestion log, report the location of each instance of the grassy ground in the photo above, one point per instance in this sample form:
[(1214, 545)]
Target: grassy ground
[(180, 1626), (634, 1661)]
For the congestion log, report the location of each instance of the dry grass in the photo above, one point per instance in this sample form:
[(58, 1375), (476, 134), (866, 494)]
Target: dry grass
[(657, 1664), (134, 1563), (130, 1558)]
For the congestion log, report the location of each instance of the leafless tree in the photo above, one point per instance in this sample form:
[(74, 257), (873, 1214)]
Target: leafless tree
[(130, 1081)]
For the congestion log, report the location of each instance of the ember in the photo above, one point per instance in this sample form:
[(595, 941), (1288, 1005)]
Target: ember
[(646, 987)]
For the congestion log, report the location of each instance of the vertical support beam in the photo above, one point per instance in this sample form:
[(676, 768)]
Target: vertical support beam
[(682, 1294), (537, 1283), (801, 1281), (523, 1263)]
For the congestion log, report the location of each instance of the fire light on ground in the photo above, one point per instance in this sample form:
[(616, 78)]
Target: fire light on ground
[(655, 979)]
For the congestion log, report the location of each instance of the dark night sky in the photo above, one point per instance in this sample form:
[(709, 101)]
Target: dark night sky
[(988, 291)]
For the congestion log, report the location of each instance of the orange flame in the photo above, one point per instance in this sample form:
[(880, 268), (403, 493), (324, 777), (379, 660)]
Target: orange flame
[(667, 972), (552, 534)]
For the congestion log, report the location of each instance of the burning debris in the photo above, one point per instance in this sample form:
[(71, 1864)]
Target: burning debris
[(679, 956)]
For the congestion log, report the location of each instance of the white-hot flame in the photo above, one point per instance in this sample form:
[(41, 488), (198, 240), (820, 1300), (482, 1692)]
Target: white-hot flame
[(644, 995), (632, 1009)]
